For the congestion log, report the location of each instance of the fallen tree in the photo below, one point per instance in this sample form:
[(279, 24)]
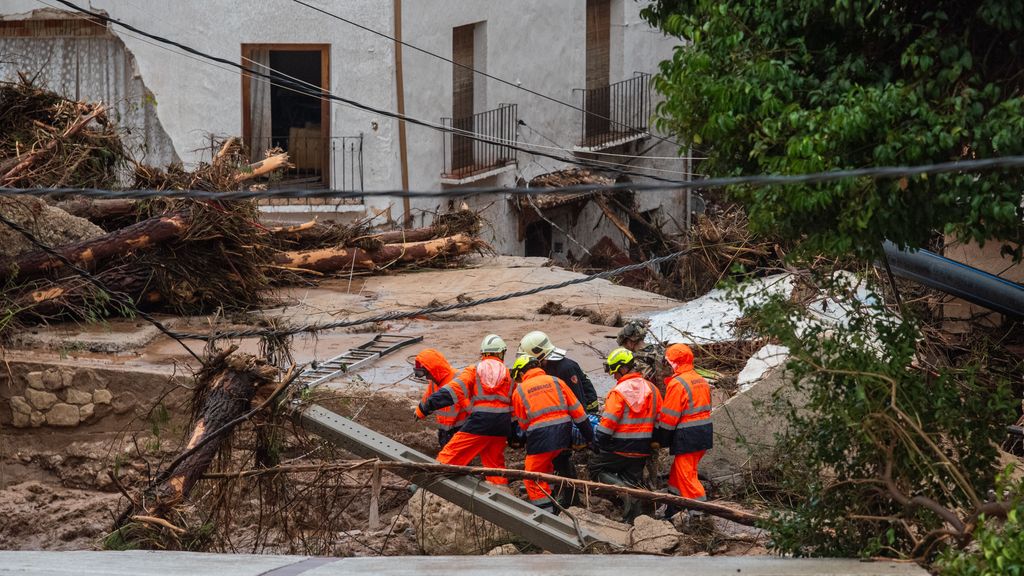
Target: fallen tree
[(89, 252), (431, 469), (344, 258), (226, 390)]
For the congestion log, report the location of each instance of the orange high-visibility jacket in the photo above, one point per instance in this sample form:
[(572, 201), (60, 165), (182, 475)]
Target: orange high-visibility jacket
[(685, 421), (441, 374), (630, 412), (487, 398), (545, 409)]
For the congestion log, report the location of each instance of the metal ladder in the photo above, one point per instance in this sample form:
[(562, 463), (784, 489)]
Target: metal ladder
[(354, 359), (539, 527)]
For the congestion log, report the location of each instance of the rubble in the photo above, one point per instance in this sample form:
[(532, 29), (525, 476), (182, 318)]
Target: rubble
[(442, 528), (653, 536)]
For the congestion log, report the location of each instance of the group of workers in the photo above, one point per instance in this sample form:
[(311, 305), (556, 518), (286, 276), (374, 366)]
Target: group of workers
[(546, 403)]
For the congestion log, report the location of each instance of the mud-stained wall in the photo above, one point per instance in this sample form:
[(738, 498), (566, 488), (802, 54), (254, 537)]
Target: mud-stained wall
[(84, 61)]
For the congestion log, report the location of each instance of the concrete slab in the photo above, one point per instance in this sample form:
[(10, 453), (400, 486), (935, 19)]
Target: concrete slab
[(153, 563)]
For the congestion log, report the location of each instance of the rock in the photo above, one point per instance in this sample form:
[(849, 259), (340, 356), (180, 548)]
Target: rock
[(51, 225), (399, 524), (123, 402), (653, 536), (504, 550), (101, 396), (87, 379), (19, 405), (20, 419), (602, 527), (54, 379), (37, 418), (62, 415), (442, 528), (35, 380), (39, 399), (746, 426), (77, 397), (85, 412)]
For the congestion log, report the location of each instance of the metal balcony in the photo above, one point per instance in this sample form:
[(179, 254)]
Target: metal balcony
[(615, 114), (479, 145)]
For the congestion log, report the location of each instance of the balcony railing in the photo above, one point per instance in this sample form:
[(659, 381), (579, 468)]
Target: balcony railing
[(318, 162), (615, 114), (493, 131)]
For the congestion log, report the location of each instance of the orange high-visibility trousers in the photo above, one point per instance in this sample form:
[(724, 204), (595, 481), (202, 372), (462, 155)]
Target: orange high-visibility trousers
[(683, 478), (463, 447), (538, 492)]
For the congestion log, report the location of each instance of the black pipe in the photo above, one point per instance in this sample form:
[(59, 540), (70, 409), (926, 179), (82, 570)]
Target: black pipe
[(957, 279)]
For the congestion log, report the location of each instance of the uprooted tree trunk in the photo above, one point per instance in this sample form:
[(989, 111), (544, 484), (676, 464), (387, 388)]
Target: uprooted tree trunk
[(342, 258), (77, 298), (93, 209), (231, 381), (88, 252)]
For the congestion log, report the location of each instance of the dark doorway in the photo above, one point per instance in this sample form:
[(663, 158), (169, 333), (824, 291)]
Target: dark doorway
[(278, 115), (538, 239)]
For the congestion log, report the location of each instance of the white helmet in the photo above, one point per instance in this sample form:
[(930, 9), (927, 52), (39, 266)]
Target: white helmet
[(493, 344), (537, 345)]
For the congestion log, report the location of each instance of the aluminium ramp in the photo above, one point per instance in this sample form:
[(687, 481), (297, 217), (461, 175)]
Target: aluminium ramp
[(540, 528)]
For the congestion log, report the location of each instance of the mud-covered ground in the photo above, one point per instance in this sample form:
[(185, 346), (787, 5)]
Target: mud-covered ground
[(56, 492)]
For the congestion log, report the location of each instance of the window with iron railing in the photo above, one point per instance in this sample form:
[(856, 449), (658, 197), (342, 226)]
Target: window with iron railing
[(316, 162), (479, 143), (615, 114)]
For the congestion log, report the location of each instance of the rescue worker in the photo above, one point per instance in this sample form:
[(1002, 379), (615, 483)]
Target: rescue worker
[(432, 365), (625, 434), (554, 362), (485, 388), (545, 409), (685, 424), (649, 358)]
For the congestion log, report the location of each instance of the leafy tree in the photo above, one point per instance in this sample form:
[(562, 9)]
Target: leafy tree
[(893, 444), (765, 86)]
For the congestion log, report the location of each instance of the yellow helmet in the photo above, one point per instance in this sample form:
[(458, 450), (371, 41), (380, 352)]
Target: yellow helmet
[(537, 345), (521, 365), (619, 358)]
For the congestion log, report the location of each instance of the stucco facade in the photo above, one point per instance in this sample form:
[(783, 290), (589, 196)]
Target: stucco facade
[(537, 44)]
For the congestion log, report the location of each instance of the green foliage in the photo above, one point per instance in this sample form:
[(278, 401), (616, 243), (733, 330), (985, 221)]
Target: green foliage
[(811, 85), (862, 409), (1000, 546)]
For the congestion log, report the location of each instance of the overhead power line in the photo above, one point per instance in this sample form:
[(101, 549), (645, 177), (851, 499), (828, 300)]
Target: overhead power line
[(874, 172), (322, 92), (515, 85)]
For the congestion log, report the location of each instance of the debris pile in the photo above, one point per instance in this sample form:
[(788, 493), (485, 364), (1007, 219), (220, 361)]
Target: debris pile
[(185, 256)]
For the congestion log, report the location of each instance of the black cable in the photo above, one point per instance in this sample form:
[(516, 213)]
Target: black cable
[(123, 299), (875, 172), (474, 70), (323, 93)]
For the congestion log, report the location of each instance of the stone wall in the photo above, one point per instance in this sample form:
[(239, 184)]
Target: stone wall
[(66, 395)]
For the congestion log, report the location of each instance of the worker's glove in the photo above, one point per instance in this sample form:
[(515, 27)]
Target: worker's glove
[(593, 408), (655, 446), (419, 414), (579, 447)]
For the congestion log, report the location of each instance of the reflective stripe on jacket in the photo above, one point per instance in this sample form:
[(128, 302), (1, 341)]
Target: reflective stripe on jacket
[(545, 408), (489, 412), (630, 412), (441, 373), (685, 421)]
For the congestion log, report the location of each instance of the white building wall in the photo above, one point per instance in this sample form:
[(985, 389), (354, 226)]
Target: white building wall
[(539, 44)]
